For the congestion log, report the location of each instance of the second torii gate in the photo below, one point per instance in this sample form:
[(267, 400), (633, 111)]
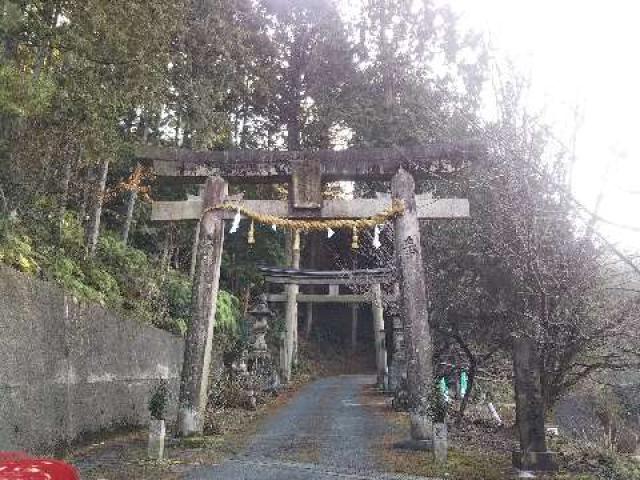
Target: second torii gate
[(305, 172), (371, 279)]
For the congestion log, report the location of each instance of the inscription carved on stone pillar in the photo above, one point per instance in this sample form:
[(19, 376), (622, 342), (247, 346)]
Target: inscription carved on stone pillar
[(533, 454), (398, 367)]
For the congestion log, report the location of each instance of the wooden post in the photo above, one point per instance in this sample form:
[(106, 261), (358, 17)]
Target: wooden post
[(379, 336), (354, 327), (533, 454), (309, 325), (413, 304), (197, 350)]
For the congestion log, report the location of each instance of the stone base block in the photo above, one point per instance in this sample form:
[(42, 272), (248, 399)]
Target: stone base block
[(189, 423), (535, 461), (421, 427)]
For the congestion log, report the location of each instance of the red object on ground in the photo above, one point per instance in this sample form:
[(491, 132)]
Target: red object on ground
[(19, 466), (10, 456)]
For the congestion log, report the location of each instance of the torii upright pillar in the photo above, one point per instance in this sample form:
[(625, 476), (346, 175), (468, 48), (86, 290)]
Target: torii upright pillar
[(413, 305), (379, 336), (198, 342), (291, 314)]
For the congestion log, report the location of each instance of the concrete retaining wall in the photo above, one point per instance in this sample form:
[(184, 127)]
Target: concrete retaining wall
[(69, 368)]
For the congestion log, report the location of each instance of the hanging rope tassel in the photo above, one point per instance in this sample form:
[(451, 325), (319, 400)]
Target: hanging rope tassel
[(376, 237), (354, 239), (296, 240), (251, 238), (236, 222)]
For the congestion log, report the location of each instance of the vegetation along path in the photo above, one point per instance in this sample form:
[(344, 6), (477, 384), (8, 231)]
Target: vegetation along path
[(324, 433)]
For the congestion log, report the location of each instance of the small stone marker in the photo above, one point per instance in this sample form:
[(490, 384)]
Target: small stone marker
[(440, 445), (157, 433)]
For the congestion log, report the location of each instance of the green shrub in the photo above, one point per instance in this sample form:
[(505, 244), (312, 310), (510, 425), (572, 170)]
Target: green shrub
[(72, 234), (159, 399), (616, 467), (16, 250), (227, 313), (177, 290), (102, 281), (20, 95), (438, 406), (177, 326), (119, 276), (114, 253), (18, 253), (69, 274)]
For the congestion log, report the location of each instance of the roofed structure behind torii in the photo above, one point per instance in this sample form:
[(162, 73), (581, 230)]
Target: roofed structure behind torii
[(255, 166)]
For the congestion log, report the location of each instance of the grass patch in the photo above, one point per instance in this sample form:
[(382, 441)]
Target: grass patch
[(124, 456), (461, 465)]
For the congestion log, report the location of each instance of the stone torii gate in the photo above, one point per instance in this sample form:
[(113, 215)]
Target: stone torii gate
[(371, 279), (305, 173)]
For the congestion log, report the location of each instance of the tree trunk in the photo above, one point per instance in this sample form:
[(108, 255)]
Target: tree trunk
[(84, 199), (473, 367), (387, 75), (44, 51), (164, 255), (293, 107), (3, 201), (131, 205), (10, 42), (167, 248), (93, 226), (64, 197), (194, 250)]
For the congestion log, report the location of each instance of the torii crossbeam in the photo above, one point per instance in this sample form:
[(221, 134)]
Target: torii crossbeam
[(305, 172), (254, 166)]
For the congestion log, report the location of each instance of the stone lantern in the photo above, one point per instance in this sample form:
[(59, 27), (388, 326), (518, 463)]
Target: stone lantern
[(260, 316)]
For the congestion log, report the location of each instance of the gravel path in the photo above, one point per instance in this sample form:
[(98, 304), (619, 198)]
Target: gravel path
[(323, 433)]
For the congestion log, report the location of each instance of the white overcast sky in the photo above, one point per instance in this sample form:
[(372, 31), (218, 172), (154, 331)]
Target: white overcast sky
[(582, 53)]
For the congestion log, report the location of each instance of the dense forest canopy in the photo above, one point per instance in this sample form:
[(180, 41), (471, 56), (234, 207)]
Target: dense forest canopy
[(83, 82)]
